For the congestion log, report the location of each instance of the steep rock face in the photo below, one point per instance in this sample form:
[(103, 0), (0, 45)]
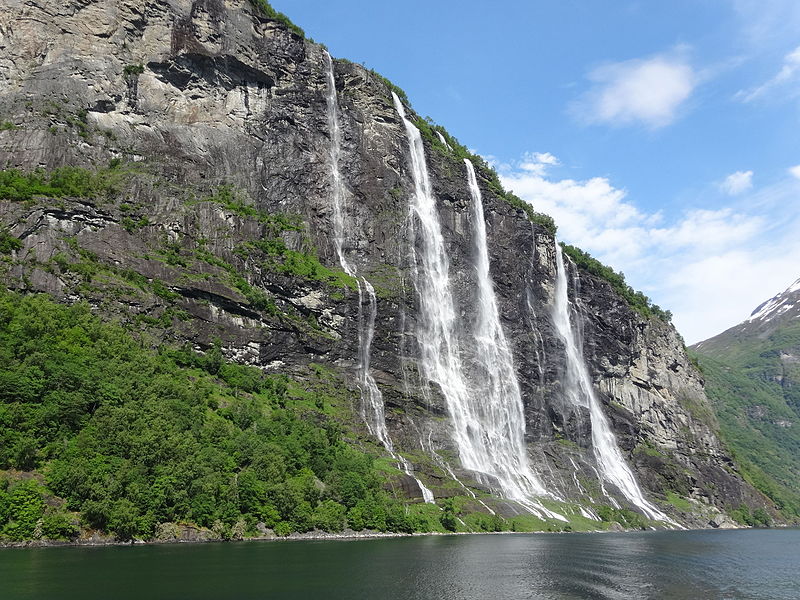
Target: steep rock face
[(191, 96)]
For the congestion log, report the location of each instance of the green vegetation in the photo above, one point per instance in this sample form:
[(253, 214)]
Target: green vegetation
[(8, 243), (275, 255), (623, 516), (395, 88), (256, 297), (236, 202), (7, 126), (636, 300), (387, 82), (101, 429), (758, 518), (27, 512), (62, 182), (758, 426), (133, 70), (130, 224), (130, 437), (679, 502), (280, 259), (269, 12), (650, 450)]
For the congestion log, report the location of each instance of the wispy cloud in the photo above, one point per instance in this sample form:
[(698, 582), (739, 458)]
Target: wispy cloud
[(737, 183), (795, 171), (537, 162), (788, 74), (767, 23), (710, 267), (642, 91)]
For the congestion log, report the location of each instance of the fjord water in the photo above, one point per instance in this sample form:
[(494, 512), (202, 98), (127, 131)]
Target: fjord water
[(488, 435), (678, 565), (578, 390)]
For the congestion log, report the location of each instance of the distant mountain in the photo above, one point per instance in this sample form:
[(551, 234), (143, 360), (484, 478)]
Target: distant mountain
[(752, 376)]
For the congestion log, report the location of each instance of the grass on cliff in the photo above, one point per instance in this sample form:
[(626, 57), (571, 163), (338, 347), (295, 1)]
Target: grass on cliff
[(636, 300), (271, 249), (63, 182), (266, 9)]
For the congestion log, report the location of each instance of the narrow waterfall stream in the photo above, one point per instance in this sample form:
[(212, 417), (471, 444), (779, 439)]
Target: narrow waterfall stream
[(579, 392), (372, 410), (335, 150), (487, 423)]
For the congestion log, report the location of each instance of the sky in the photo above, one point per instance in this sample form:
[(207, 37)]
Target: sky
[(663, 137)]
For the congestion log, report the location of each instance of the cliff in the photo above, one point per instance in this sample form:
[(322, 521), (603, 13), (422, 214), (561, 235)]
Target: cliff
[(204, 216)]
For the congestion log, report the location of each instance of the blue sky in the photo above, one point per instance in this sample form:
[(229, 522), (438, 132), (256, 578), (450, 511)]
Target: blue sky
[(662, 136)]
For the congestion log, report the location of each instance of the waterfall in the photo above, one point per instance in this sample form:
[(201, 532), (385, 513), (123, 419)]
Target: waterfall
[(488, 430), (372, 410), (444, 141), (371, 396), (579, 392), (335, 150), (499, 407)]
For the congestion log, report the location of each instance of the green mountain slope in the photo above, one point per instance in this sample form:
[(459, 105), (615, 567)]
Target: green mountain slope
[(752, 374)]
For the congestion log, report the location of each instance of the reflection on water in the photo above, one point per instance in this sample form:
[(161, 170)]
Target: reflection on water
[(712, 565)]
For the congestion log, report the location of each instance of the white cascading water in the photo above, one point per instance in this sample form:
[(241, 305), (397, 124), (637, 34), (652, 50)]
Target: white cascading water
[(489, 436), (444, 141), (579, 392), (371, 397), (334, 150), (499, 400)]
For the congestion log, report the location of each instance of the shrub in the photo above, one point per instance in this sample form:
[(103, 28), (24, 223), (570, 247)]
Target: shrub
[(24, 508), (8, 243), (266, 9), (636, 300), (62, 182)]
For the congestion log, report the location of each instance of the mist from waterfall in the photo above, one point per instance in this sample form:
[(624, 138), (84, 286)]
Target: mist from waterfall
[(372, 408), (487, 423), (578, 392)]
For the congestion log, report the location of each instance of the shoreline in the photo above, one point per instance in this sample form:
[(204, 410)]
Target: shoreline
[(325, 536)]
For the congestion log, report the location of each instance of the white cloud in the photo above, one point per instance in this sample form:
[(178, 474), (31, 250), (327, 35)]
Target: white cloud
[(648, 91), (537, 162), (545, 158), (789, 72), (795, 171), (711, 268), (737, 183)]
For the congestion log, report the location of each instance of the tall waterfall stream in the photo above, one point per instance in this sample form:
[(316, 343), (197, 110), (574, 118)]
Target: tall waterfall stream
[(372, 410)]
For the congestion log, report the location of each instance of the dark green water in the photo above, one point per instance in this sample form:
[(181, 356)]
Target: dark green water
[(708, 565)]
